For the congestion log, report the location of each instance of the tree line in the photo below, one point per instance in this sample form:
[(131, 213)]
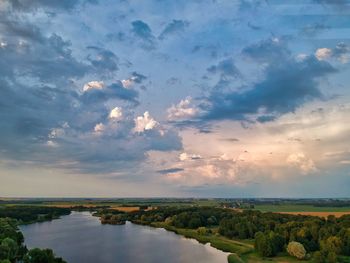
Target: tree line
[(323, 239), (29, 214)]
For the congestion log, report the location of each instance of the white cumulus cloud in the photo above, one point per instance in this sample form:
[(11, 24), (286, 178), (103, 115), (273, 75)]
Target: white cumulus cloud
[(323, 53), (182, 110), (116, 114), (145, 122), (100, 127)]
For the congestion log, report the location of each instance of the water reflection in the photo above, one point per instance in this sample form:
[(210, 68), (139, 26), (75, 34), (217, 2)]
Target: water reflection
[(80, 237)]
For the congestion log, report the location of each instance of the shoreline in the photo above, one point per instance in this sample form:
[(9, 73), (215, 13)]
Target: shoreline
[(230, 247)]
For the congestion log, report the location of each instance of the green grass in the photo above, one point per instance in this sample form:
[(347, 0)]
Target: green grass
[(241, 250), (233, 258), (217, 241), (299, 208), (236, 247), (282, 257)]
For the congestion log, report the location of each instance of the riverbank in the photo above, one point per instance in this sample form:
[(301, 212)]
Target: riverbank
[(240, 250), (236, 248)]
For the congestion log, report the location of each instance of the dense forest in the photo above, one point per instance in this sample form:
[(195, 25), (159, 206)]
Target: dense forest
[(29, 214), (323, 239)]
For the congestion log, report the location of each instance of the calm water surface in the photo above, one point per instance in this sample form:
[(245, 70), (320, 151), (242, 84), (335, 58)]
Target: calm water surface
[(80, 238)]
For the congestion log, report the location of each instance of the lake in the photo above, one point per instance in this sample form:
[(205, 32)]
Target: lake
[(80, 237)]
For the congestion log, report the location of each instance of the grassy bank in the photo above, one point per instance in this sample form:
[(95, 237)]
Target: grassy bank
[(237, 248), (241, 250)]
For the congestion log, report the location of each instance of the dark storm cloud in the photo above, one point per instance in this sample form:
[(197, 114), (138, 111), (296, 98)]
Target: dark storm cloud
[(35, 73), (287, 85), (45, 120), (174, 27)]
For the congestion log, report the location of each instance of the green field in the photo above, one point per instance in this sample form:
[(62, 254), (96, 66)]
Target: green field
[(298, 208)]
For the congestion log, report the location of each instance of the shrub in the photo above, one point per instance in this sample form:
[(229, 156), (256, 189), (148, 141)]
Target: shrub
[(203, 230), (296, 249)]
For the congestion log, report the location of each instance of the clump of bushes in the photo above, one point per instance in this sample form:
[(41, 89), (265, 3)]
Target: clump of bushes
[(296, 249)]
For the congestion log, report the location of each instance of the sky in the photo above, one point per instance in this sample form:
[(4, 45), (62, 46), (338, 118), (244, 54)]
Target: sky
[(161, 98)]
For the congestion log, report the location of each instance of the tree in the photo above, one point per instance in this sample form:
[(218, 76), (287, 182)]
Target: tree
[(296, 249), (194, 223), (4, 251), (268, 244), (12, 248), (330, 248), (203, 230), (318, 257), (169, 221), (263, 245), (331, 244), (37, 255)]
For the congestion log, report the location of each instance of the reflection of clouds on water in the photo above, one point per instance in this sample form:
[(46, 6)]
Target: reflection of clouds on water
[(80, 237)]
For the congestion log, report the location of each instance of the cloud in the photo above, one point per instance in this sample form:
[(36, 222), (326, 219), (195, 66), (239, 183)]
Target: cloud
[(144, 123), (116, 114), (226, 68), (93, 85), (53, 116), (313, 29), (103, 60), (186, 156), (341, 52), (99, 128), (323, 53), (337, 3), (170, 171), (299, 160), (174, 27), (183, 110), (23, 5), (135, 78), (211, 171), (267, 51), (230, 139), (115, 90), (288, 83), (144, 33)]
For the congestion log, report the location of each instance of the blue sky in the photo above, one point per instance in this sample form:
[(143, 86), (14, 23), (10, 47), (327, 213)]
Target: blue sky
[(175, 98)]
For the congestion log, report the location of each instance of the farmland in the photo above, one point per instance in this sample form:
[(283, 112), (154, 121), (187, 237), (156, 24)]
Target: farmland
[(299, 209)]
